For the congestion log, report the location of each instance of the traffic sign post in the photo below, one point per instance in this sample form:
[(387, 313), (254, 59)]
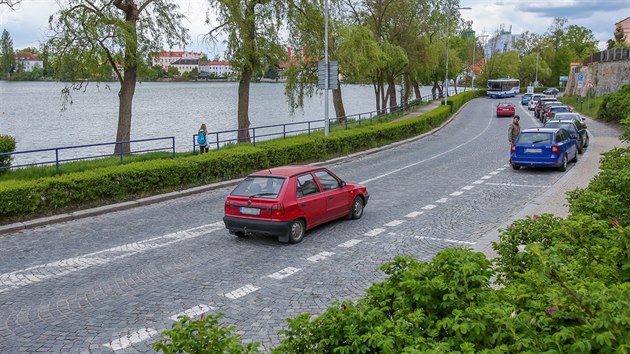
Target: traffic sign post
[(580, 82)]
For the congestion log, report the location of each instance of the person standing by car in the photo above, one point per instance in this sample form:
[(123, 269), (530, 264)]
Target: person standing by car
[(513, 132), (202, 139)]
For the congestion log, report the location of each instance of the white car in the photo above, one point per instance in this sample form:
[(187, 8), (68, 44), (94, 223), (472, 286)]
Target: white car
[(534, 101)]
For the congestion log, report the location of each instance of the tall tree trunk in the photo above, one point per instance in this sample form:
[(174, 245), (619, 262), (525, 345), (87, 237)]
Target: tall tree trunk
[(377, 95), (340, 110), (384, 96), (416, 89), (243, 105), (128, 83), (391, 92)]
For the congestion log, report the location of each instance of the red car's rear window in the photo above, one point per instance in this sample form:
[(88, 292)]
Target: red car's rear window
[(259, 186)]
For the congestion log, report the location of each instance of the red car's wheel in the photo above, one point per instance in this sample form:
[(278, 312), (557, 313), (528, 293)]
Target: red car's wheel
[(357, 208), (296, 231)]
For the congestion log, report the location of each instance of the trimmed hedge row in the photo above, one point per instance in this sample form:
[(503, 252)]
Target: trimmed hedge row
[(117, 183)]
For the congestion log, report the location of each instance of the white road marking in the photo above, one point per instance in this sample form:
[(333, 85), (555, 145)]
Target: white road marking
[(445, 240), (429, 207), (374, 232), (284, 273), (517, 185), (501, 169), (455, 194), (394, 223), (434, 156), (320, 256), (443, 200), (23, 277), (392, 233), (468, 187), (350, 243), (193, 311), (414, 214), (486, 177), (135, 337), (242, 291), (478, 182), (494, 173)]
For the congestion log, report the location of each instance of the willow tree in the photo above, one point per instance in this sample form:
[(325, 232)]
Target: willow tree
[(92, 39), (252, 29)]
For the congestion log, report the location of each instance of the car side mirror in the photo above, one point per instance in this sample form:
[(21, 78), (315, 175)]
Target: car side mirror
[(342, 184)]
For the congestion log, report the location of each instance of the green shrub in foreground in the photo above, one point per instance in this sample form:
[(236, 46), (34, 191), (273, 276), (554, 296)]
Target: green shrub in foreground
[(615, 106), (202, 336)]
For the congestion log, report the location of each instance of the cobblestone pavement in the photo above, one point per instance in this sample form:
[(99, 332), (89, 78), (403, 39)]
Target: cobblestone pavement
[(112, 282)]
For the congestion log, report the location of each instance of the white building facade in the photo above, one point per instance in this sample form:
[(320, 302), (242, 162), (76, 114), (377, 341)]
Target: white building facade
[(166, 59), (216, 68)]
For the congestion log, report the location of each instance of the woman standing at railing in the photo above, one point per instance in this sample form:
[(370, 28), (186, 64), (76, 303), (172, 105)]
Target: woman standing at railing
[(202, 138)]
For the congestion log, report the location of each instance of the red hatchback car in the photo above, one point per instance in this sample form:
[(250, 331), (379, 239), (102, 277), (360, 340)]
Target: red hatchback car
[(286, 201), (505, 110)]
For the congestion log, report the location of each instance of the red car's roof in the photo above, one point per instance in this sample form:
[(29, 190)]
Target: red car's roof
[(287, 171)]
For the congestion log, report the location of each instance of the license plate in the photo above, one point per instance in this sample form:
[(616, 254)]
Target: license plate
[(250, 211), (536, 151)]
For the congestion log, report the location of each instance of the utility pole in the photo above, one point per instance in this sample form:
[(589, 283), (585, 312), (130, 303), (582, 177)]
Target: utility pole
[(326, 71), (536, 82)]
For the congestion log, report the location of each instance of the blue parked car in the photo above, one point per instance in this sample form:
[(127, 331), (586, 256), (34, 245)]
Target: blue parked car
[(544, 147), (525, 98)]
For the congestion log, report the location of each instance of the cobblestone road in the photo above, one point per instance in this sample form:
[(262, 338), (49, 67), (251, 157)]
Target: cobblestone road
[(111, 283)]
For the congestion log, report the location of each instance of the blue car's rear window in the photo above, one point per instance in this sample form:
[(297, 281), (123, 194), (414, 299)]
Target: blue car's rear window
[(535, 138)]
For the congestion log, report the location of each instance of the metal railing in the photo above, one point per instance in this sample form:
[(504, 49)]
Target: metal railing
[(58, 160), (223, 137), (608, 55)]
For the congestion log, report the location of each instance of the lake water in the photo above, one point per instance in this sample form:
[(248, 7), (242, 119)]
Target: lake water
[(31, 112)]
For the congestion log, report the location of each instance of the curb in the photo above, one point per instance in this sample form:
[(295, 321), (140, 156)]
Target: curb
[(85, 213)]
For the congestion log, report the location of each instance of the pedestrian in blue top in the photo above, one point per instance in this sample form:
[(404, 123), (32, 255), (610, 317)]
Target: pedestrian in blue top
[(202, 139)]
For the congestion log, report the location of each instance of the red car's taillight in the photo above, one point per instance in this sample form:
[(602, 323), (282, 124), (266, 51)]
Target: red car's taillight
[(277, 210), (555, 149)]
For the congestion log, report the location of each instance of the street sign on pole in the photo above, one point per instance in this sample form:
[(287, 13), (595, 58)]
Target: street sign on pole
[(333, 75), (580, 82)]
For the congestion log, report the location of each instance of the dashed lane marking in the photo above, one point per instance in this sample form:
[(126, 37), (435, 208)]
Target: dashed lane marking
[(320, 256), (242, 291), (414, 214), (284, 273), (501, 169), (455, 194), (518, 185), (23, 277), (374, 232), (468, 187), (494, 173), (445, 240), (478, 182), (486, 177), (193, 311), (394, 223), (443, 200), (350, 243), (392, 234), (135, 337), (429, 207)]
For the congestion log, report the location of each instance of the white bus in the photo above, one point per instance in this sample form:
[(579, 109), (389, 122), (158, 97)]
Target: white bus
[(501, 88)]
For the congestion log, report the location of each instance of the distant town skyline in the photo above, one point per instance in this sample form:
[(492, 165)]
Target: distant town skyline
[(28, 22)]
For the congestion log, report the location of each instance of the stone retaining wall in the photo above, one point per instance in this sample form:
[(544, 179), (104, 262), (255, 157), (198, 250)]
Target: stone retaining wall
[(607, 77)]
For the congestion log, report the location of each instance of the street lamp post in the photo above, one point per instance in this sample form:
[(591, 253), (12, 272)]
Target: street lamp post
[(536, 81), (448, 20), (472, 79)]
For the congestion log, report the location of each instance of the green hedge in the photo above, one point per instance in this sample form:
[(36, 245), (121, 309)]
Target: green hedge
[(117, 183), (616, 106), (7, 144)]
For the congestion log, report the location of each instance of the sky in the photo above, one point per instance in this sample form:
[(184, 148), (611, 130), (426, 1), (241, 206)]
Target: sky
[(27, 23)]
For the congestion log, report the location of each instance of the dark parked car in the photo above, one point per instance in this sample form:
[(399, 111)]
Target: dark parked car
[(541, 103), (286, 201), (551, 91), (551, 112), (544, 147), (576, 132)]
